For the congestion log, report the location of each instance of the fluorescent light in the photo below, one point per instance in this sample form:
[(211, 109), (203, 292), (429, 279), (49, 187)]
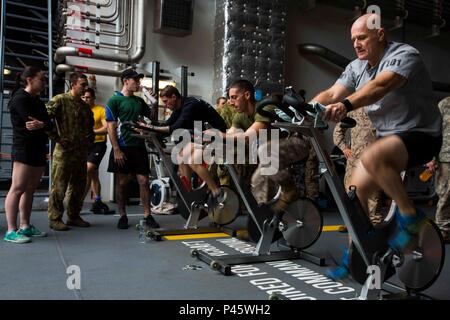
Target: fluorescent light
[(6, 72), (147, 82), (164, 83)]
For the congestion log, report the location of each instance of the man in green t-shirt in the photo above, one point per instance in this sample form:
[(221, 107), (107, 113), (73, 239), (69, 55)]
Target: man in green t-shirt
[(244, 124), (128, 154)]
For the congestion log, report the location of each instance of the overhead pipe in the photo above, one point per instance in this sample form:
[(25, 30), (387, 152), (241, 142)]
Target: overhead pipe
[(125, 16), (61, 69), (98, 5), (102, 19), (97, 45), (139, 50), (342, 62), (120, 33), (109, 18)]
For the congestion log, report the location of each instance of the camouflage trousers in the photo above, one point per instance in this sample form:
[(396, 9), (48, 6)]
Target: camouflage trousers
[(442, 186), (68, 180), (375, 201), (297, 169), (244, 172)]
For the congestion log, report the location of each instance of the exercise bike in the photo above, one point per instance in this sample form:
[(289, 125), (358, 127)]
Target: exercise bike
[(295, 229), (192, 205), (417, 266)]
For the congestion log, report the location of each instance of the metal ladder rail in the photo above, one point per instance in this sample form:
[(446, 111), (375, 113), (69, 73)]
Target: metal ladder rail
[(3, 54)]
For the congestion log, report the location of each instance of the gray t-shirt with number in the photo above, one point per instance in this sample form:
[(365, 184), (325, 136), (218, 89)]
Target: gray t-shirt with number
[(411, 108)]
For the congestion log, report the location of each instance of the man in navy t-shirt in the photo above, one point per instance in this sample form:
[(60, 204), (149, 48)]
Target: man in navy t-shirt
[(186, 111)]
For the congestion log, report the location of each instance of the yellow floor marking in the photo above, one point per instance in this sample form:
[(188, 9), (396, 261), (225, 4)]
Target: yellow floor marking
[(339, 228), (197, 236)]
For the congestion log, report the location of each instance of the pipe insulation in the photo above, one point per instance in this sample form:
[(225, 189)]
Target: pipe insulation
[(250, 43)]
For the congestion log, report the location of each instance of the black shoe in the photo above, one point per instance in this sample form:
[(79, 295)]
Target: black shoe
[(104, 207), (98, 207), (123, 222), (151, 222)]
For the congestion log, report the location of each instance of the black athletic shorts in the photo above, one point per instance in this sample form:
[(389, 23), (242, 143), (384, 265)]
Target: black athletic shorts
[(136, 162), (30, 156), (96, 153), (421, 147)]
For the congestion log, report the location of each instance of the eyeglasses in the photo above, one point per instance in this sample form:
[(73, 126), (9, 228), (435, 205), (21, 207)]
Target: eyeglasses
[(87, 97)]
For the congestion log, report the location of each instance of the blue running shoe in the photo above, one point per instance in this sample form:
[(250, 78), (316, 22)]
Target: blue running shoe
[(408, 227), (31, 231), (342, 271), (16, 237)]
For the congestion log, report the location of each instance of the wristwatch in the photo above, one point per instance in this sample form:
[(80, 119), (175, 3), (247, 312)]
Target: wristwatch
[(348, 105)]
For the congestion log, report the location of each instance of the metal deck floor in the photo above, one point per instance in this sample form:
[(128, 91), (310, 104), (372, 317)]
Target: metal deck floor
[(115, 265)]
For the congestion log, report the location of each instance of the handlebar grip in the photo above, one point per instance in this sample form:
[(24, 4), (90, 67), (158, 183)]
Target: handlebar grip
[(348, 123), (131, 125)]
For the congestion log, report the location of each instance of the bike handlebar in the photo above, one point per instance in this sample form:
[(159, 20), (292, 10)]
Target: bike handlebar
[(292, 100)]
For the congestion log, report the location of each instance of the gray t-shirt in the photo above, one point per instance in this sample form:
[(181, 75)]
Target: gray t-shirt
[(411, 108)]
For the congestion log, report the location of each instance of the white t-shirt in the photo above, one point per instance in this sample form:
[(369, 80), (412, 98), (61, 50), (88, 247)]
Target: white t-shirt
[(411, 108)]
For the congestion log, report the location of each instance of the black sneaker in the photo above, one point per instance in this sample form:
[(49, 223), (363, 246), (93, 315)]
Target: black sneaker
[(103, 206), (151, 222), (98, 207), (123, 222)]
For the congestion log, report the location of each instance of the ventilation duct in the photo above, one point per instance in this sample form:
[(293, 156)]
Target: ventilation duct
[(174, 17), (250, 43), (327, 54)]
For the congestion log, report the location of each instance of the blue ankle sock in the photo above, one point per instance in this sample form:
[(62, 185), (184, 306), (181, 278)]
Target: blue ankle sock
[(341, 271), (345, 258), (404, 221)]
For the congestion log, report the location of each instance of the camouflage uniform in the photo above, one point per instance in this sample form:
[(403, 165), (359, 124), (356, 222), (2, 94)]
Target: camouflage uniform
[(297, 173), (245, 170), (227, 112), (362, 135), (443, 171), (74, 123), (312, 174)]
